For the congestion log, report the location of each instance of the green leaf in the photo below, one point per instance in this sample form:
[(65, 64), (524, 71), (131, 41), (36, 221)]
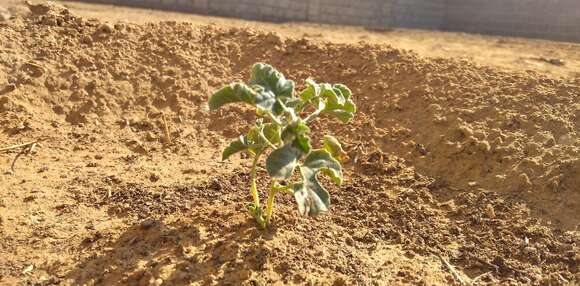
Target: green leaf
[(282, 161), (321, 160), (296, 133), (343, 116), (272, 80), (312, 198), (255, 140), (294, 130), (257, 213), (333, 147), (311, 91), (262, 136), (337, 101), (333, 98), (264, 99), (272, 132), (344, 90), (235, 92), (302, 142), (236, 146), (294, 103), (239, 92), (349, 106)]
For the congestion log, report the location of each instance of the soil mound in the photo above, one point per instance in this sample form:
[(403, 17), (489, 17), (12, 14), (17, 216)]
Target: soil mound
[(451, 162)]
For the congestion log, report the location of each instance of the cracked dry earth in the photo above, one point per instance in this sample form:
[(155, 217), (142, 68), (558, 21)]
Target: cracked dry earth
[(458, 173)]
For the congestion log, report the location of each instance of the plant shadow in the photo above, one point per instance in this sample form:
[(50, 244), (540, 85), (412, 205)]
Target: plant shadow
[(215, 249)]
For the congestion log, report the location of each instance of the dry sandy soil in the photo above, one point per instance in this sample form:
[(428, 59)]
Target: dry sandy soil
[(461, 171)]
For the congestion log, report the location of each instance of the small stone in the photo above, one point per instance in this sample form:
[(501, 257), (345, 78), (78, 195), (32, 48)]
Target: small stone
[(349, 241), (106, 28), (147, 224), (455, 230), (489, 211), (86, 39), (215, 185), (121, 26)]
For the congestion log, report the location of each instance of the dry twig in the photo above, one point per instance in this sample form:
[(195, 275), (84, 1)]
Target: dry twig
[(476, 279), (453, 271), (27, 148), (18, 146), (166, 134)]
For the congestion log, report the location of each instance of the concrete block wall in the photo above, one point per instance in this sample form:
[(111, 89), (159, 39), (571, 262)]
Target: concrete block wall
[(549, 19)]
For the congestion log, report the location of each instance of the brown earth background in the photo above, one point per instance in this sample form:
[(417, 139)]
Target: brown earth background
[(464, 154)]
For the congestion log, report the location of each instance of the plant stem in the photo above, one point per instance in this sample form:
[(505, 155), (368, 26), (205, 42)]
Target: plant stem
[(253, 187), (270, 205), (279, 188), (276, 120)]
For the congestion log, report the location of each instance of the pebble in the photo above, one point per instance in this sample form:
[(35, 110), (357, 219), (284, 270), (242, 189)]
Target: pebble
[(106, 28), (349, 241), (489, 211), (215, 185)]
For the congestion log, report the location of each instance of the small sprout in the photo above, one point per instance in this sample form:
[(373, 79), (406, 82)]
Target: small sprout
[(282, 127)]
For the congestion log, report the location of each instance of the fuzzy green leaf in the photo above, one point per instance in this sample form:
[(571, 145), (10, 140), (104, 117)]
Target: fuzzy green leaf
[(282, 161), (321, 161), (236, 146), (235, 92), (333, 96), (343, 116), (302, 142), (312, 90), (344, 90), (296, 133), (272, 80), (332, 145), (294, 130), (349, 106), (272, 132), (338, 102), (312, 198)]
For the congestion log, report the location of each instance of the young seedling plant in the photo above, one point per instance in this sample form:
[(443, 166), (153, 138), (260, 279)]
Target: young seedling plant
[(281, 132)]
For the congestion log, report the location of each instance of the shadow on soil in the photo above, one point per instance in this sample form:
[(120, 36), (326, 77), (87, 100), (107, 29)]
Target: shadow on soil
[(154, 253)]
